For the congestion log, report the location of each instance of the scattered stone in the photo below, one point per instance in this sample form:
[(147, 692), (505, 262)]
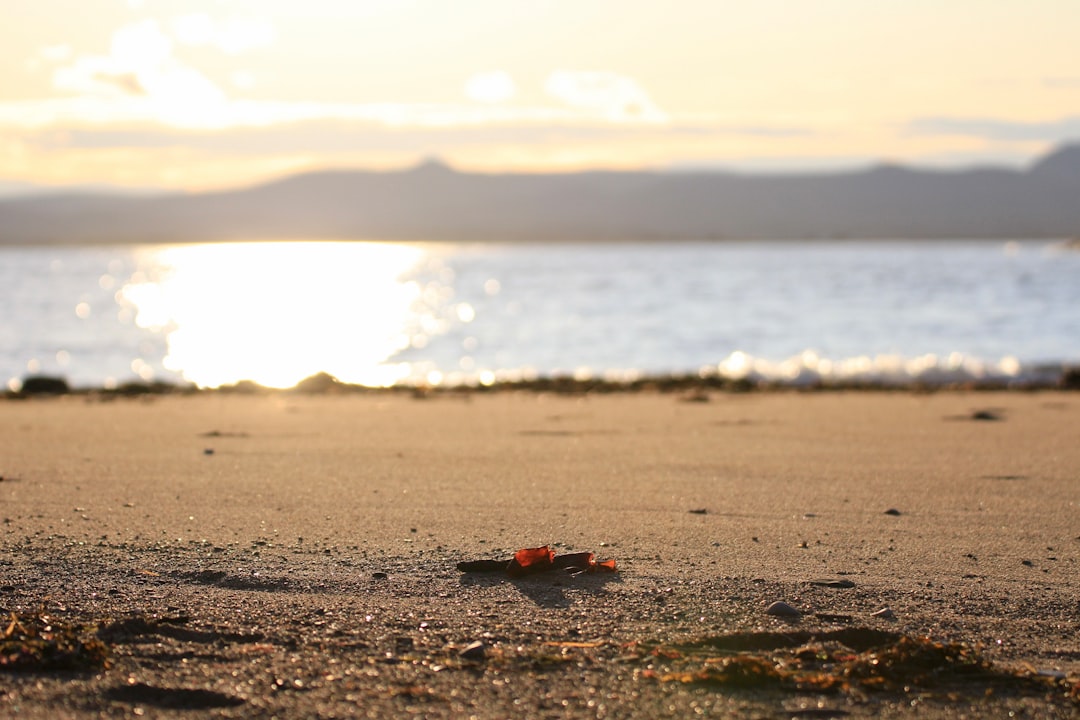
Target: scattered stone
[(835, 617), (474, 651), (782, 609), (208, 451), (831, 583), (696, 396), (698, 511), (892, 511), (379, 576), (980, 415), (884, 614), (1027, 562)]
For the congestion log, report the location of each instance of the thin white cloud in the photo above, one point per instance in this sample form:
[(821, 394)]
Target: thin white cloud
[(215, 111), (617, 97), (495, 86), (996, 129)]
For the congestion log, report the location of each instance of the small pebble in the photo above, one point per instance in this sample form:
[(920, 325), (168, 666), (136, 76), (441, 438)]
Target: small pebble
[(832, 583), (985, 415), (379, 575), (892, 511), (782, 609), (884, 613), (474, 651)]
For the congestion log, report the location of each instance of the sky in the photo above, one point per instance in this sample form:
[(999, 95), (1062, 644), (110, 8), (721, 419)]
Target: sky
[(202, 94)]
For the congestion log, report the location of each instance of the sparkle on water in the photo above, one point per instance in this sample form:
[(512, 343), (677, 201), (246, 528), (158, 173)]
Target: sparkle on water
[(275, 313)]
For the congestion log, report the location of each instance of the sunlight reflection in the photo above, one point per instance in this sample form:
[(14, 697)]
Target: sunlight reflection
[(276, 313)]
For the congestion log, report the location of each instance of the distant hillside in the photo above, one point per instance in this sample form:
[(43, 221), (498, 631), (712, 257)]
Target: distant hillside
[(433, 202)]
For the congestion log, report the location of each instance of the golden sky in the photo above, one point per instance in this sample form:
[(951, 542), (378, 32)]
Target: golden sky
[(197, 94)]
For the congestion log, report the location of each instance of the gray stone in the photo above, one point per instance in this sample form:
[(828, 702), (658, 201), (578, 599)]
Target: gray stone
[(474, 651), (782, 609), (832, 583)]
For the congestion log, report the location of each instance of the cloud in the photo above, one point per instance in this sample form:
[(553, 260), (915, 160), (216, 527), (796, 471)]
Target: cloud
[(99, 116), (1067, 128), (768, 131), (137, 51), (490, 87), (195, 29), (172, 90), (324, 136), (139, 79), (616, 97), (140, 44), (1063, 81)]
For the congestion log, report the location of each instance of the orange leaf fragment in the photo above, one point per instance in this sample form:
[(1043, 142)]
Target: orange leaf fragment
[(531, 560)]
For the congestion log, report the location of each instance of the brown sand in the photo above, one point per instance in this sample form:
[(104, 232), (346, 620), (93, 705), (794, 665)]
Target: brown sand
[(230, 549)]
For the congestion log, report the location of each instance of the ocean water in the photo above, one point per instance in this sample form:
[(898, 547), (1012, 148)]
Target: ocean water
[(384, 313)]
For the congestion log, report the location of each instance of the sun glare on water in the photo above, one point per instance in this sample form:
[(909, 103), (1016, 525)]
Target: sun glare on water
[(276, 313)]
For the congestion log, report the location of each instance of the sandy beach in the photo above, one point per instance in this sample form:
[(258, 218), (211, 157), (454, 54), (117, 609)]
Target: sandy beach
[(296, 555)]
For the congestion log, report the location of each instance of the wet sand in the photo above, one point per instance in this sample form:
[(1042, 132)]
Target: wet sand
[(295, 555)]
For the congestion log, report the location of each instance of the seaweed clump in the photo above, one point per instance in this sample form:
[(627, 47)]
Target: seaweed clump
[(40, 643), (851, 661)]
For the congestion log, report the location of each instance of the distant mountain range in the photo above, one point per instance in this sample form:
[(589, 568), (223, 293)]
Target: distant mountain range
[(434, 202)]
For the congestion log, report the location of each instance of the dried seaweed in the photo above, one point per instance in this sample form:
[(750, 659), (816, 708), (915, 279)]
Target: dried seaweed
[(41, 643), (851, 661)]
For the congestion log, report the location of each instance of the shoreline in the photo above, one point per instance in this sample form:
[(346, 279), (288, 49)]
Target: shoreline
[(1067, 378), (295, 553)]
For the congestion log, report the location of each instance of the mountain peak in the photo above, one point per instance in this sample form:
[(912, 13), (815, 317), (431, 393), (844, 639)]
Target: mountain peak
[(433, 165), (1061, 164)]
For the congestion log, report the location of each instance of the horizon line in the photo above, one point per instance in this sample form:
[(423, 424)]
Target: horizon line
[(758, 167)]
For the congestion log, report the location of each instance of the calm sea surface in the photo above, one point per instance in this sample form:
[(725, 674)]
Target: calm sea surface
[(380, 313)]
